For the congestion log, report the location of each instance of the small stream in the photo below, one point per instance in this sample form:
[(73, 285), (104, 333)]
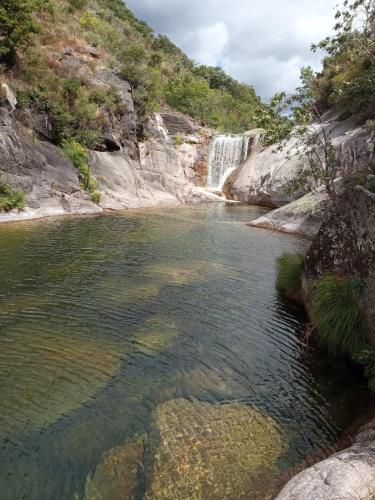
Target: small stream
[(104, 319)]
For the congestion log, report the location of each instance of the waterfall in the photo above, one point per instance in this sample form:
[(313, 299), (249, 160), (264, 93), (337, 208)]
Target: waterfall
[(226, 154)]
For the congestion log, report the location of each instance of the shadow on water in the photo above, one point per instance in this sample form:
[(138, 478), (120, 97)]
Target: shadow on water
[(103, 319)]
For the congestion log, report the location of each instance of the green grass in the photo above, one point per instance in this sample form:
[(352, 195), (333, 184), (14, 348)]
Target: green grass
[(338, 313), (10, 199), (289, 273)]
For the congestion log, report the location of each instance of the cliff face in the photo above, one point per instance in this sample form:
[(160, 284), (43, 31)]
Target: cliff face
[(166, 168), (345, 245)]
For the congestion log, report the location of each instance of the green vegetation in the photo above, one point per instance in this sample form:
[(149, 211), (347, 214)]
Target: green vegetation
[(338, 313), (78, 155), (288, 279), (10, 199), (346, 83), (17, 25), (159, 72)]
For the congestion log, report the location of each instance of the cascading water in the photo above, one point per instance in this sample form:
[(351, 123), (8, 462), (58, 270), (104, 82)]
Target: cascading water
[(227, 153)]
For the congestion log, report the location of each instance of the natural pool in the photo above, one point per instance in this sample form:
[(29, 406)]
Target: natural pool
[(149, 354)]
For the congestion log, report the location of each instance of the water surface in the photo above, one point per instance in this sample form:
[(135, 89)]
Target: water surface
[(102, 319)]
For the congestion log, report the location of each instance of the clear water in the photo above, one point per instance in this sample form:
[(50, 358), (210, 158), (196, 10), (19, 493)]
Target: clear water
[(104, 318)]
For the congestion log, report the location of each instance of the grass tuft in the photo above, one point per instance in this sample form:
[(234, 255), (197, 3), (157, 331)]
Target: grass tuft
[(338, 313), (289, 273)]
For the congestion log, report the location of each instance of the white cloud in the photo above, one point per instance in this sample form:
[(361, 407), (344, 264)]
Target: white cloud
[(261, 42)]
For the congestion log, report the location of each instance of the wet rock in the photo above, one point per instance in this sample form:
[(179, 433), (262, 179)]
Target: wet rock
[(48, 375), (205, 451), (347, 475), (117, 477)]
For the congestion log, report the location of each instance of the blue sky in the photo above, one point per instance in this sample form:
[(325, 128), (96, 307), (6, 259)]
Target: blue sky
[(261, 42)]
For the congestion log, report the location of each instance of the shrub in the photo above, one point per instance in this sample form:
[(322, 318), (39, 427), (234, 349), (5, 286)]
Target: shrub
[(10, 199), (95, 197), (78, 155), (289, 273), (17, 25), (338, 312), (366, 357), (178, 140)]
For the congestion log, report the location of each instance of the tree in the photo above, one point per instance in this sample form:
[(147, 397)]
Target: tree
[(297, 118), (17, 25)]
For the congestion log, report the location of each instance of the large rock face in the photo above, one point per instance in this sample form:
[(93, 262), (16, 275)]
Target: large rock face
[(345, 245), (129, 174), (348, 475), (39, 169), (260, 180)]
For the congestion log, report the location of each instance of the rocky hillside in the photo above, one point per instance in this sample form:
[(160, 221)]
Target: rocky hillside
[(98, 112)]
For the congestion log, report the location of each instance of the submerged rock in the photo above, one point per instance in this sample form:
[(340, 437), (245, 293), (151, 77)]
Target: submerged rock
[(46, 375), (156, 334), (117, 477), (204, 451)]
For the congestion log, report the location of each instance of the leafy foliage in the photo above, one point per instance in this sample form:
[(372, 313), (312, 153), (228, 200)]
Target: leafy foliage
[(289, 272), (78, 155), (348, 77), (17, 25), (338, 312), (10, 199)]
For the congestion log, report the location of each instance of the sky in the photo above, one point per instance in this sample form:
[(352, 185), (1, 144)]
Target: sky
[(260, 42)]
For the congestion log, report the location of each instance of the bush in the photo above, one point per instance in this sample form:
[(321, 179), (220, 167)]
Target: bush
[(17, 25), (338, 313), (10, 199), (78, 155), (96, 197), (288, 278)]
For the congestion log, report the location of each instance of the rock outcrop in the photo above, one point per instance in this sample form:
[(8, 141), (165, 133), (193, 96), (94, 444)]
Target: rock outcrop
[(347, 475), (128, 173), (40, 170), (345, 245), (303, 216), (261, 179)]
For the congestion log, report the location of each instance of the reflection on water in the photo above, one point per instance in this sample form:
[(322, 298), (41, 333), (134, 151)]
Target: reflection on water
[(106, 322)]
